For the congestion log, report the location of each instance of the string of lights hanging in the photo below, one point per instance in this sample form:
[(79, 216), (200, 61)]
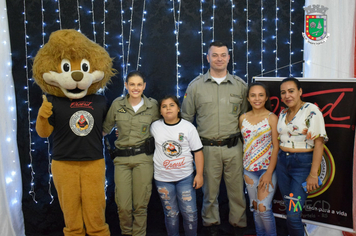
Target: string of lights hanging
[(47, 139), (177, 23), (232, 37), (30, 165)]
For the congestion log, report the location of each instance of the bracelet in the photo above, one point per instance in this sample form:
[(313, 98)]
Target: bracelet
[(313, 176)]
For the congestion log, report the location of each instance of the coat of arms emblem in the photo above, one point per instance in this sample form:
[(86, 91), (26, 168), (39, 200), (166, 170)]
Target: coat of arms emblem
[(315, 24)]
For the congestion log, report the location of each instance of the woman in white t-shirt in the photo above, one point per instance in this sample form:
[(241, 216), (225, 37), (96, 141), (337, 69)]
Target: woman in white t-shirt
[(175, 140), (302, 135)]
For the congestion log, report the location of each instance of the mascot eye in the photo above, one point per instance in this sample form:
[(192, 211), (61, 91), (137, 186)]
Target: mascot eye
[(65, 65), (85, 65)]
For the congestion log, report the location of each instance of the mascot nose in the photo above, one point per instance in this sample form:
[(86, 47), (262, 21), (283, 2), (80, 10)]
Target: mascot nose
[(77, 76)]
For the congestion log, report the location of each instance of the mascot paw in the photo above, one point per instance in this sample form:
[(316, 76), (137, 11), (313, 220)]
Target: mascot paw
[(46, 108)]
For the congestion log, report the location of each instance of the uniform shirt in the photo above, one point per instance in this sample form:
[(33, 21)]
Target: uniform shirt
[(172, 158), (217, 106), (133, 127), (307, 125), (257, 145), (77, 133)]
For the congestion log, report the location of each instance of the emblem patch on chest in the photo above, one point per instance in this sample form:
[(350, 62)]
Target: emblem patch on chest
[(81, 123), (122, 110)]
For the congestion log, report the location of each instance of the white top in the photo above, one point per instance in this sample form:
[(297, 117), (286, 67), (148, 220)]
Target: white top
[(218, 80), (172, 158), (135, 108), (307, 125)]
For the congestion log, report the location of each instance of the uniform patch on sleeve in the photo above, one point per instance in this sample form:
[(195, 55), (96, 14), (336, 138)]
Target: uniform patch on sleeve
[(185, 95)]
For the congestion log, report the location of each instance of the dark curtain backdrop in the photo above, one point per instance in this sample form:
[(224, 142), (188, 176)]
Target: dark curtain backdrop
[(158, 62)]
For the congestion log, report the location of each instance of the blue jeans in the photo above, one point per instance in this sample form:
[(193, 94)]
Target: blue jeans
[(179, 196), (264, 220), (292, 170)]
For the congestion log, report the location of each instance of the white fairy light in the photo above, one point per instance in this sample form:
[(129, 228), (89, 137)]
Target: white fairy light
[(47, 140), (276, 41), (290, 37), (201, 32), (93, 19), (232, 37), (247, 30), (213, 19), (59, 14), (262, 39), (32, 187), (78, 14), (141, 31), (177, 23), (129, 41), (104, 23)]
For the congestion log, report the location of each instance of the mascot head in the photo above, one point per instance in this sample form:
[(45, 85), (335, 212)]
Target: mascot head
[(70, 65)]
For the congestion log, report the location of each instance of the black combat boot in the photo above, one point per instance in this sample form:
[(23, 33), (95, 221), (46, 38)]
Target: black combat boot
[(238, 231), (212, 230)]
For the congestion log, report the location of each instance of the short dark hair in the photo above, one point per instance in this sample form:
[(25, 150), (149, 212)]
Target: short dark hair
[(267, 103), (294, 80), (135, 73), (218, 44), (175, 100)]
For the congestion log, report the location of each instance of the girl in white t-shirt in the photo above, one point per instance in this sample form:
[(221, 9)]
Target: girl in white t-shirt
[(175, 140)]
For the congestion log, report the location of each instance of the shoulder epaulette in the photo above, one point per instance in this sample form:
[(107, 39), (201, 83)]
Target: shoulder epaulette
[(239, 79), (196, 79)]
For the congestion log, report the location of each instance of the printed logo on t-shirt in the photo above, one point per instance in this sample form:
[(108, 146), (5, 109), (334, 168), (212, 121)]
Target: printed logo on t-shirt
[(181, 137), (81, 123), (171, 148)]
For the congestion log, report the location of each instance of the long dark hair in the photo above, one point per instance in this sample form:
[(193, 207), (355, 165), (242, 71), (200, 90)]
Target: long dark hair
[(267, 103), (175, 100)]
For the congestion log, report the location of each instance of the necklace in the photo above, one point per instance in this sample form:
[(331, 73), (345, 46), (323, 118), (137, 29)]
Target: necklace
[(289, 121)]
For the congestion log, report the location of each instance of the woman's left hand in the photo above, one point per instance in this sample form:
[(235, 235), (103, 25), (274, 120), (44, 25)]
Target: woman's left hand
[(265, 181), (312, 183), (198, 181)]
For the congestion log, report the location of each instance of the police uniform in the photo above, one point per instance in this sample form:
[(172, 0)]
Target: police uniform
[(133, 172), (217, 108)]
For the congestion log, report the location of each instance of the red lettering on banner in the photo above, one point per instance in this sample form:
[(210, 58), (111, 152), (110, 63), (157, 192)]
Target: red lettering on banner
[(327, 110), (174, 164), (82, 104)]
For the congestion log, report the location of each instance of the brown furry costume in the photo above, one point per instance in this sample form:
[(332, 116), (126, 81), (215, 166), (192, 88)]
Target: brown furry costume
[(72, 68)]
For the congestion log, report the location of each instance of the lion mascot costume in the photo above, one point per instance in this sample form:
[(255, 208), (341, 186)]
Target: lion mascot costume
[(70, 68)]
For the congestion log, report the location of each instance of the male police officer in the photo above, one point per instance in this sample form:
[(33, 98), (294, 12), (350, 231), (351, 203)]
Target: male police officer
[(217, 99)]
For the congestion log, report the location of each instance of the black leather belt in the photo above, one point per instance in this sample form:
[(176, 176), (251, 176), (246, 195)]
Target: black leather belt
[(230, 141), (212, 142), (130, 151)]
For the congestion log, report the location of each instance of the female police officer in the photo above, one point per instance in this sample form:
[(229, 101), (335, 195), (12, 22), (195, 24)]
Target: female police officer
[(133, 115)]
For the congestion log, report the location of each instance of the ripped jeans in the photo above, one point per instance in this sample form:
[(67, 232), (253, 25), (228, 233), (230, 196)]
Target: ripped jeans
[(178, 197), (264, 220)]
